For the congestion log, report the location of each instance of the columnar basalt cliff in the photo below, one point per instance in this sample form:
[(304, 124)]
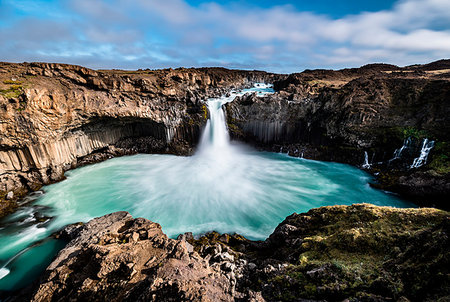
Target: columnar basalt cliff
[(359, 253), (351, 114), (54, 116)]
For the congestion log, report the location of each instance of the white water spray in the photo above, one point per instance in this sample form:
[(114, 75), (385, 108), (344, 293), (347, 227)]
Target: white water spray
[(215, 141), (398, 152), (422, 159), (366, 164)]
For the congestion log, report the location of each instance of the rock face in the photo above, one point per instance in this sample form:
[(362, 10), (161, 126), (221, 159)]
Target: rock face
[(53, 116), (118, 258), (340, 115), (359, 252)]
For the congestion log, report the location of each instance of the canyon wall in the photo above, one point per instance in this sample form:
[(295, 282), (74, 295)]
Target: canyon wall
[(351, 114), (54, 117)]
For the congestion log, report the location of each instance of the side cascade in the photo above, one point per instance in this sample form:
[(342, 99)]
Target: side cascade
[(398, 152), (424, 152), (366, 164)]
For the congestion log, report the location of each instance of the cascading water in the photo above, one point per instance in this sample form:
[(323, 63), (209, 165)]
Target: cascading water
[(422, 159), (215, 139), (398, 152), (366, 164), (224, 187)]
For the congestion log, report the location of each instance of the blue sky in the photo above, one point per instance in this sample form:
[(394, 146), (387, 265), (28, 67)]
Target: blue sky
[(279, 36)]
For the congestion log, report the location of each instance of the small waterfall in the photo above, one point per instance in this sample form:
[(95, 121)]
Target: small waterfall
[(366, 164), (422, 159), (398, 152)]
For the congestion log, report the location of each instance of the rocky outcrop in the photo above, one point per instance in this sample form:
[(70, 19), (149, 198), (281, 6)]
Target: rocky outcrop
[(340, 115), (359, 253), (118, 258), (53, 115)]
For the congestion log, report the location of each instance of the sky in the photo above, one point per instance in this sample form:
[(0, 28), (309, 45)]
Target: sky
[(278, 36)]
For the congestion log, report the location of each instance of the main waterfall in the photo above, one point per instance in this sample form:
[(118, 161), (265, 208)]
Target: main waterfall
[(215, 138)]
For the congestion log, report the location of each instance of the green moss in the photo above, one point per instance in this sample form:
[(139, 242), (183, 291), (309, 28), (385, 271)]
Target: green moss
[(441, 158), (205, 111), (12, 82), (365, 250), (414, 133), (13, 92)]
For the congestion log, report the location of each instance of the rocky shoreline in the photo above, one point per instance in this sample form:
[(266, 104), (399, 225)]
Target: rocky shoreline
[(359, 253)]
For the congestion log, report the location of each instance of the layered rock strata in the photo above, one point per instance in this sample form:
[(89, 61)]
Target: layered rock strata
[(53, 115), (351, 114)]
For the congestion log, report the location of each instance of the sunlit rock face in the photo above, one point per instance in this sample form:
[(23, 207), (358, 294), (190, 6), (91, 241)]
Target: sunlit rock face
[(53, 115)]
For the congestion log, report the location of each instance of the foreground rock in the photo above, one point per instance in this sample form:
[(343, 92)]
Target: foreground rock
[(118, 258), (359, 252)]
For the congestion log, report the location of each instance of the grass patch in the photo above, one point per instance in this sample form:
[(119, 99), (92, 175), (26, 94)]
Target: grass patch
[(414, 133), (441, 158), (14, 91), (12, 82)]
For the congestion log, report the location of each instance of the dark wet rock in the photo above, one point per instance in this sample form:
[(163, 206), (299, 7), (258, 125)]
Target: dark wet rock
[(341, 115), (338, 253)]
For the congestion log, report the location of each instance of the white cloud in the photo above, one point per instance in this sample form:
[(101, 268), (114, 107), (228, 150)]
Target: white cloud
[(170, 32)]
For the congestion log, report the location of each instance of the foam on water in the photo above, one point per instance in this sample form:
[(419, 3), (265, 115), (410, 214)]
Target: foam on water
[(3, 272), (224, 187)]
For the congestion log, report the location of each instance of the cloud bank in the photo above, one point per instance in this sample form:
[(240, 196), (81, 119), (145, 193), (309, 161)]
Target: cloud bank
[(172, 33)]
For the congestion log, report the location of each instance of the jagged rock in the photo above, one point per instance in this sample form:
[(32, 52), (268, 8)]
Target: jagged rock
[(118, 258), (359, 253)]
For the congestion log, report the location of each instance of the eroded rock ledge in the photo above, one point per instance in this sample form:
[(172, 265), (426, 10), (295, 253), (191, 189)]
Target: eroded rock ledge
[(54, 117), (360, 252)]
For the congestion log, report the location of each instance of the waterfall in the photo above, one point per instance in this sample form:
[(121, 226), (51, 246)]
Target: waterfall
[(398, 152), (215, 140), (366, 164), (422, 159), (215, 147), (216, 135)]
